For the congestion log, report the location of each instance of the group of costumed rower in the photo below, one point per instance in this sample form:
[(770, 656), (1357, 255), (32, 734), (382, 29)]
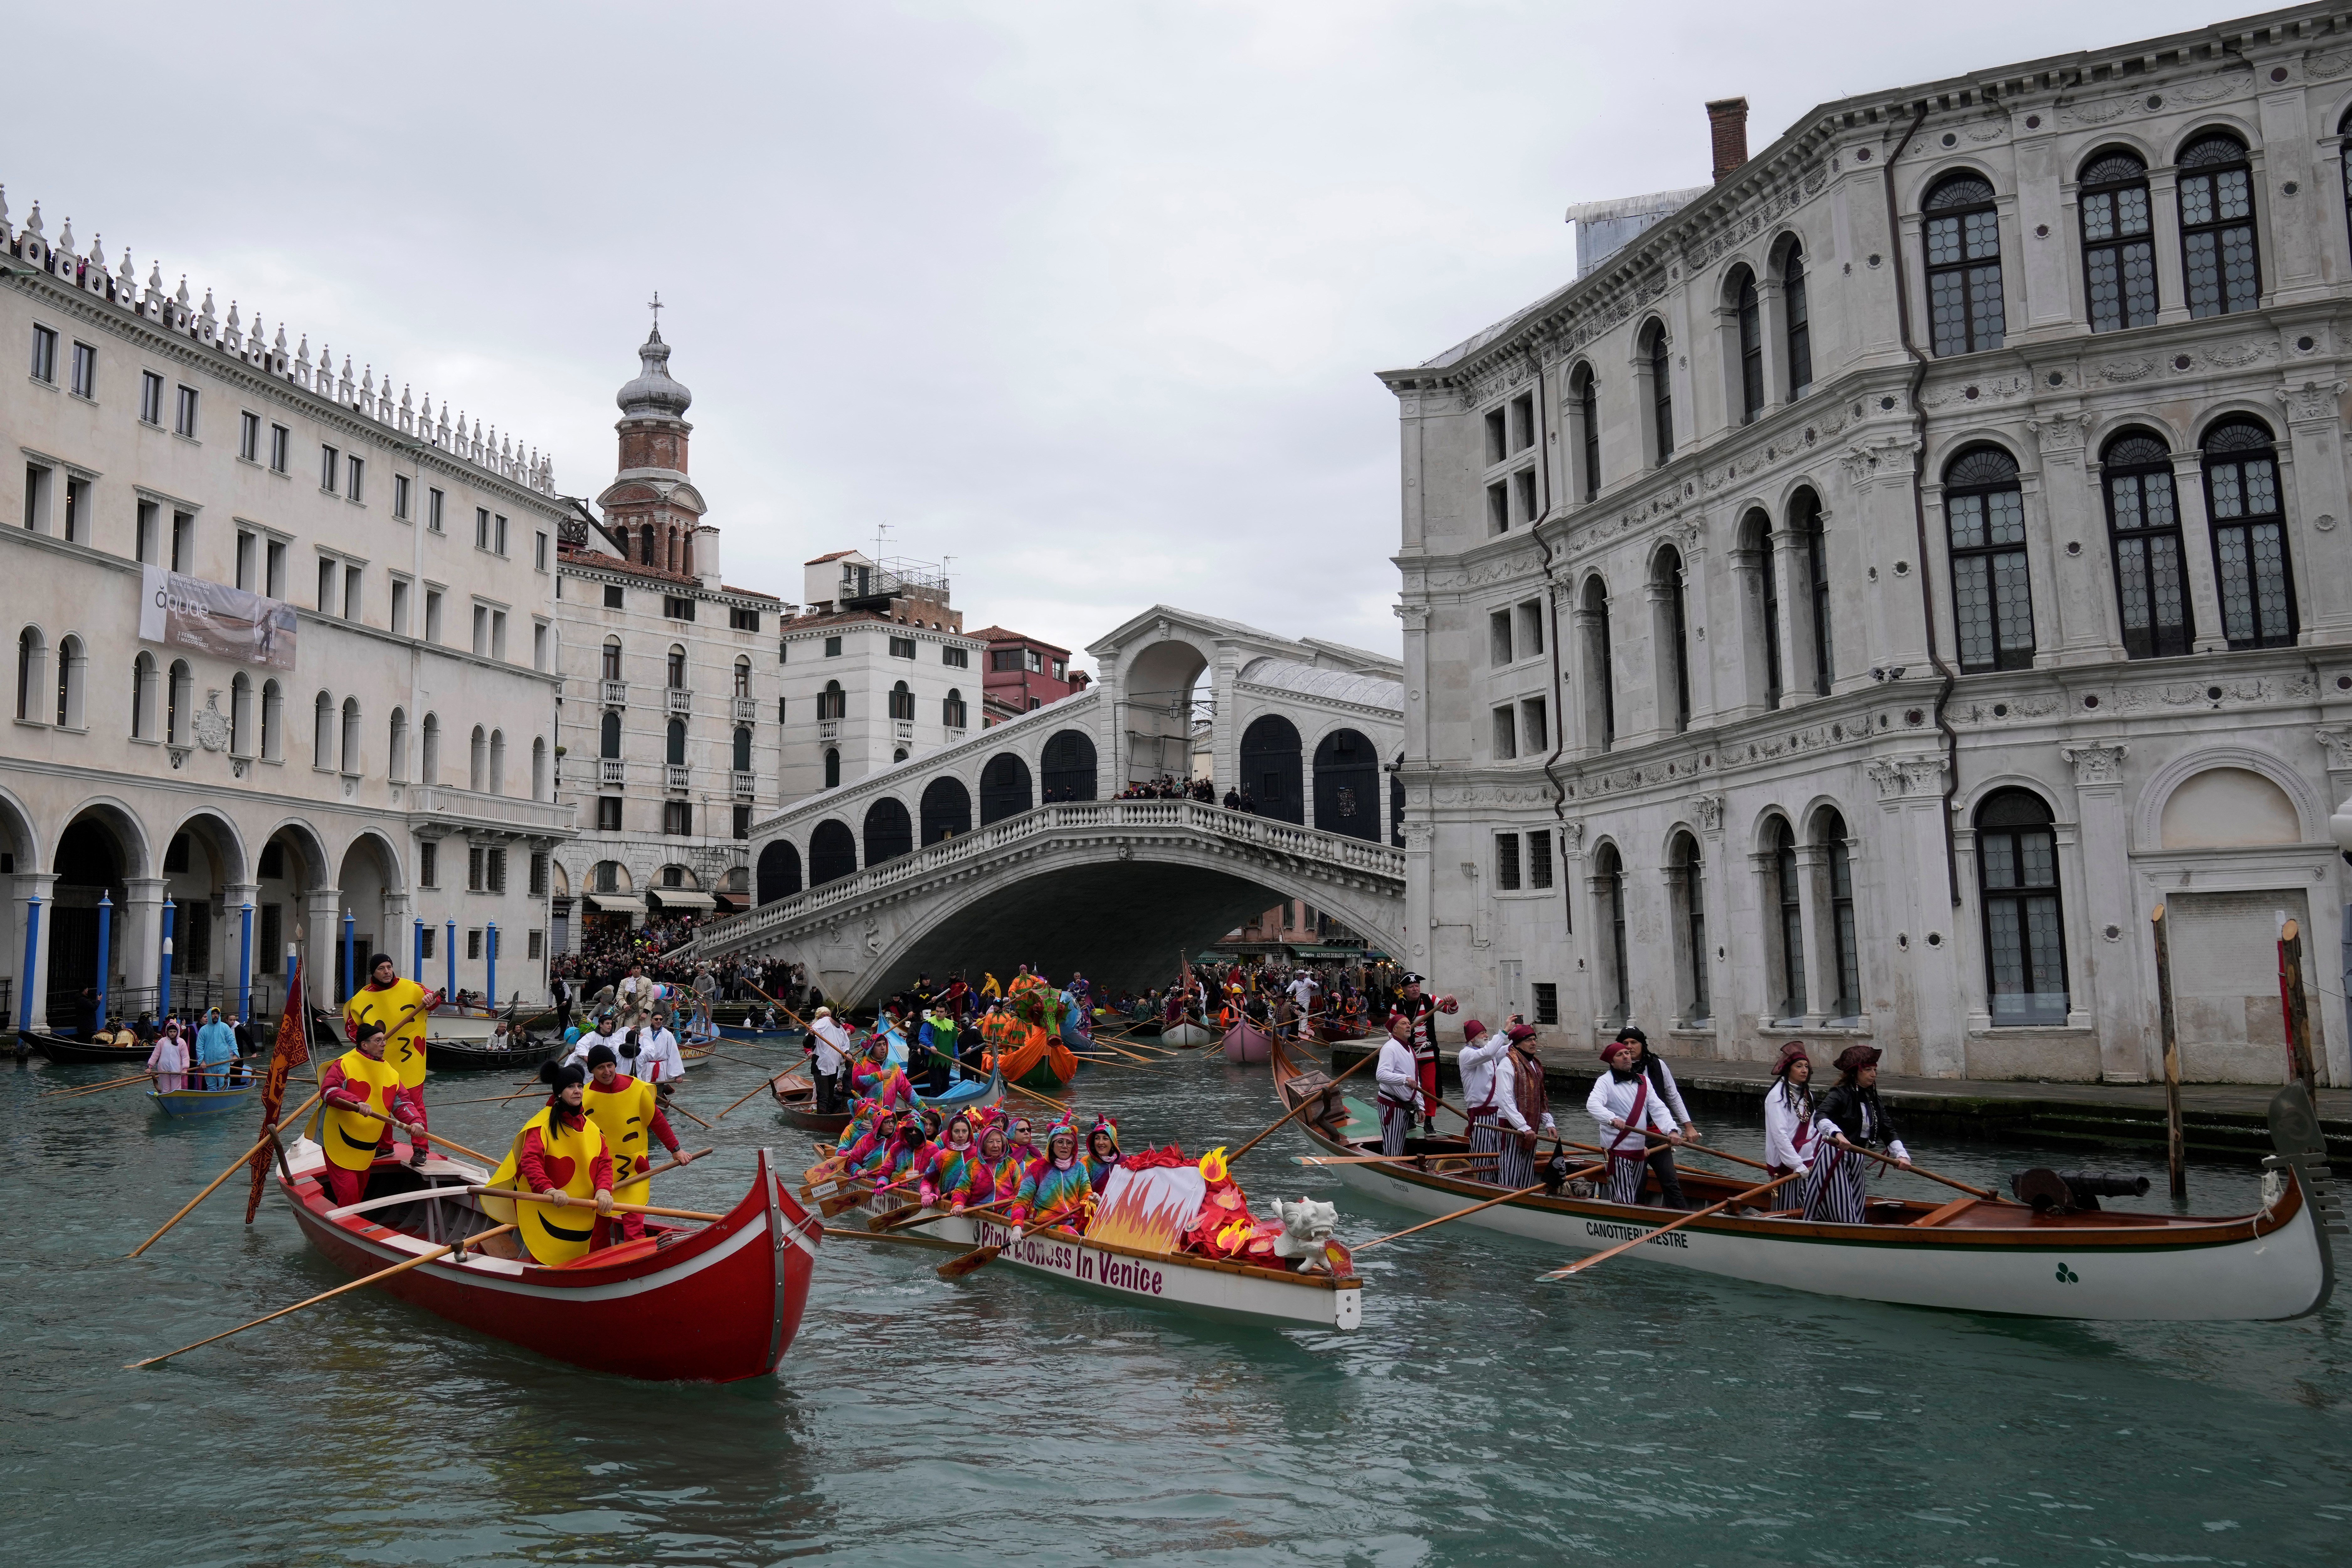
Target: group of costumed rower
[(590, 1145), (991, 1160)]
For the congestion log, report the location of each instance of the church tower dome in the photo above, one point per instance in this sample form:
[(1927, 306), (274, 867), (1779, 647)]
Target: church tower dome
[(654, 393), (651, 509)]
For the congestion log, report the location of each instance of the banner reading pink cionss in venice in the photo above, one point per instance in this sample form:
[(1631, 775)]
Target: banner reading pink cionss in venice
[(212, 618)]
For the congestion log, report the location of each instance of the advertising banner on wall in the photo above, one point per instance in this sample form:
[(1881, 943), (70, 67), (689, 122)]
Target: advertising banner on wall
[(228, 623)]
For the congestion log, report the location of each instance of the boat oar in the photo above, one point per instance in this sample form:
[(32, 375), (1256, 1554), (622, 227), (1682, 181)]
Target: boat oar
[(1305, 1100), (235, 1166), (446, 1142), (1685, 1146), (1042, 1099), (972, 1262), (1916, 1171), (400, 1267), (81, 1088), (395, 1199), (1457, 1214), (682, 1111), (767, 1083), (1581, 1264), (570, 1202)]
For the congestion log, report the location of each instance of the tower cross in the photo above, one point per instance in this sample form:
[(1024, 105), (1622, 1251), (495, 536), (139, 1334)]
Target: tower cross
[(655, 303)]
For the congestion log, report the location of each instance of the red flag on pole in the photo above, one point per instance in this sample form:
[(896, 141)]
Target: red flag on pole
[(292, 1050)]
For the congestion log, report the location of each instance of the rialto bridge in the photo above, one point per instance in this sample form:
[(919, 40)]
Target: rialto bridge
[(1010, 846)]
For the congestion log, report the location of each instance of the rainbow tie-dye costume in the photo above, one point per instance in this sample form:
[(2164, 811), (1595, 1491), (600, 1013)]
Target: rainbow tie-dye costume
[(1050, 1194)]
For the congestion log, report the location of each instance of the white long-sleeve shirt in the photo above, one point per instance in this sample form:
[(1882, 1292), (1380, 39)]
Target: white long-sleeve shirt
[(832, 1044), (1611, 1101), (1507, 1095), (659, 1061), (1476, 1063), (1788, 1138), (587, 1042), (1397, 1075)]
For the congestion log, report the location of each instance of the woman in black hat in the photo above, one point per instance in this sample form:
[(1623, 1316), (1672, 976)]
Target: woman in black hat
[(1651, 1066), (1849, 1117)]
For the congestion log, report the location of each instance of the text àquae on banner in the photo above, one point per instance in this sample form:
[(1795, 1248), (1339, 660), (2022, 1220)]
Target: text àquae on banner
[(213, 618)]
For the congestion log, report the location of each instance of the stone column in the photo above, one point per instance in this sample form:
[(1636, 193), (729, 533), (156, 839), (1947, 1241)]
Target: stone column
[(1796, 611), (323, 929), (2073, 594), (398, 937), (2164, 221), (2313, 476), (1697, 617), (1812, 904), (1932, 1031), (143, 935), (1765, 931), (230, 952), (2123, 996), (2197, 551), (31, 998), (1420, 904), (1225, 744)]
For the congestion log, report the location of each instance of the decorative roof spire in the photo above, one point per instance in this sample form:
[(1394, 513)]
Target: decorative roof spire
[(654, 394)]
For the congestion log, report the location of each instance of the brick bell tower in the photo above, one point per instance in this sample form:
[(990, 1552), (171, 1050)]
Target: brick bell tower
[(651, 508)]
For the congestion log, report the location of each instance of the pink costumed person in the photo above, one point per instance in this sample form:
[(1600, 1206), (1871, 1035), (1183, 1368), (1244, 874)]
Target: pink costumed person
[(169, 1061)]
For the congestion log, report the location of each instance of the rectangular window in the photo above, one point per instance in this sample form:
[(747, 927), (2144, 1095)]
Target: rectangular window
[(474, 942), (1033, 661), (427, 946), (1004, 659), (428, 870), (274, 573), (537, 945), (678, 818), (1061, 669), (742, 620), (612, 595), (1498, 507), (329, 577), (186, 422), (474, 859), (1506, 744), (1523, 422), (902, 647), (1547, 1002), (37, 495), (330, 467), (281, 444), (498, 634), (1497, 438), (354, 479), (352, 578), (432, 616), (1498, 638), (150, 397), (245, 559), (481, 528), (249, 436), (85, 371), (45, 355), (1531, 629), (1507, 862), (742, 822), (1535, 724), (956, 657), (608, 814), (1523, 481), (77, 509), (498, 535), (399, 487), (538, 645), (539, 874), (150, 529), (481, 629), (433, 501), (677, 606), (538, 551), (497, 875), (833, 647), (184, 543), (272, 938), (399, 608), (1539, 859)]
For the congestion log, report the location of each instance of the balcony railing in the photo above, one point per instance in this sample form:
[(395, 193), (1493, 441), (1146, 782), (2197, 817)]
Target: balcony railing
[(746, 709), (612, 771), (675, 775), (675, 700), (441, 806), (745, 783), (613, 694), (828, 731), (902, 732)]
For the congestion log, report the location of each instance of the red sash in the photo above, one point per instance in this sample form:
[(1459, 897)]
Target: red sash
[(1633, 1118)]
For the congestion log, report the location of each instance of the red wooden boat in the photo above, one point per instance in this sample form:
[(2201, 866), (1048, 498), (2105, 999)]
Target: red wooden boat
[(727, 1297)]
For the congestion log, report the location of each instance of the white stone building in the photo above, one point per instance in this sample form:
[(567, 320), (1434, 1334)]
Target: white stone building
[(1850, 608), (182, 764), (671, 731)]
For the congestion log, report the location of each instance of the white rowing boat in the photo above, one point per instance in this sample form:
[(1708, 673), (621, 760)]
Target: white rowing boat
[(1969, 1255)]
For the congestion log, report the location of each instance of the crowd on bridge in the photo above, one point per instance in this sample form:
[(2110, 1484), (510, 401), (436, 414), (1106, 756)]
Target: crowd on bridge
[(1168, 786)]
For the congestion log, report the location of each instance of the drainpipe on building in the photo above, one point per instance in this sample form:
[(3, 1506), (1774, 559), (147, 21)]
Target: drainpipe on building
[(1919, 502), (1558, 689)]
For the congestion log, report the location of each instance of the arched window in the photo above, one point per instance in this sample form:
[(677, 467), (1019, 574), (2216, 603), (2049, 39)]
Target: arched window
[(1813, 582), (1065, 766), (2025, 930), (2250, 553), (1787, 903), (889, 833), (612, 659), (953, 713), (902, 702), (2143, 534), (539, 767), (1797, 312), (2343, 128), (742, 678), (180, 693), (1992, 595), (779, 871), (646, 543), (833, 852), (1764, 626), (71, 664), (2221, 265), (478, 760), (31, 667), (608, 734), (429, 760), (1348, 785), (1844, 937), (946, 809), (676, 667), (1270, 768), (1673, 639), (142, 696), (350, 748), (1600, 676), (832, 768), (1657, 351), (1750, 310), (1964, 301), (1609, 889), (832, 703), (240, 715), (1687, 878), (1584, 387), (273, 721), (497, 762), (1003, 788), (742, 750), (323, 732), (2118, 245), (674, 748)]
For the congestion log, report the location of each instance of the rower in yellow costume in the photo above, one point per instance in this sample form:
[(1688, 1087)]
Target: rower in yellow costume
[(387, 999), (561, 1154), (355, 1083), (629, 1115)]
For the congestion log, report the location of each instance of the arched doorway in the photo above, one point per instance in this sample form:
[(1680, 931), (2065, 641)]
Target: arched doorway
[(780, 871), (1348, 785), (1160, 700), (1066, 768), (368, 878), (96, 854), (833, 852), (888, 833), (202, 860), (292, 862), (946, 810), (1269, 762), (1003, 788)]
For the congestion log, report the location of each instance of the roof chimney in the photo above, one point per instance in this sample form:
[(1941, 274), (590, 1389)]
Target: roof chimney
[(1726, 124)]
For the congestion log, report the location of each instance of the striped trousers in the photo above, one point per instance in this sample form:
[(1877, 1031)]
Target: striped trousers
[(1626, 1174), (1837, 1188)]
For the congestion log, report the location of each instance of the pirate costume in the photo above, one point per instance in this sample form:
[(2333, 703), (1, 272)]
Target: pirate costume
[(1788, 1144), (1480, 1053), (1625, 1104), (1523, 1107), (1837, 1187)]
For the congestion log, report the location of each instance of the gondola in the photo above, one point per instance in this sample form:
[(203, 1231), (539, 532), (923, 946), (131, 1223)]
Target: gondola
[(796, 1102), (1969, 1255), (68, 1052), (480, 1055), (745, 1032), (1245, 1042), (205, 1102), (1186, 1033), (727, 1297)]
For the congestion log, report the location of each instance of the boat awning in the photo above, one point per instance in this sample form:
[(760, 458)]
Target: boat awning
[(681, 899), (735, 903), (617, 904)]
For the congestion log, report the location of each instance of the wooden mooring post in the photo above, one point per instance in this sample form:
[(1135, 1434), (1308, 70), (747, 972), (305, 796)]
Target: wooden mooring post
[(2297, 1016), (2176, 1141)]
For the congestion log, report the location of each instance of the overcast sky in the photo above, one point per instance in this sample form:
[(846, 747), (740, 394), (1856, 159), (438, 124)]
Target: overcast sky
[(1087, 297)]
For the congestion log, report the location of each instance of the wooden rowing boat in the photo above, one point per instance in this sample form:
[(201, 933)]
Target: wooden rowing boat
[(66, 1051), (1186, 1033), (1968, 1256), (1245, 1042), (796, 1102), (745, 1032), (727, 1297), (205, 1102), (479, 1056), (1173, 1281)]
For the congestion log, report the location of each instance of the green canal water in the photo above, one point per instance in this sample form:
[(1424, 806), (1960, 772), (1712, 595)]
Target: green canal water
[(1636, 1416)]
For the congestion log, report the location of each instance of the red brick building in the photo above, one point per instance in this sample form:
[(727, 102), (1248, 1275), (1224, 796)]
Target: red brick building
[(1024, 674)]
